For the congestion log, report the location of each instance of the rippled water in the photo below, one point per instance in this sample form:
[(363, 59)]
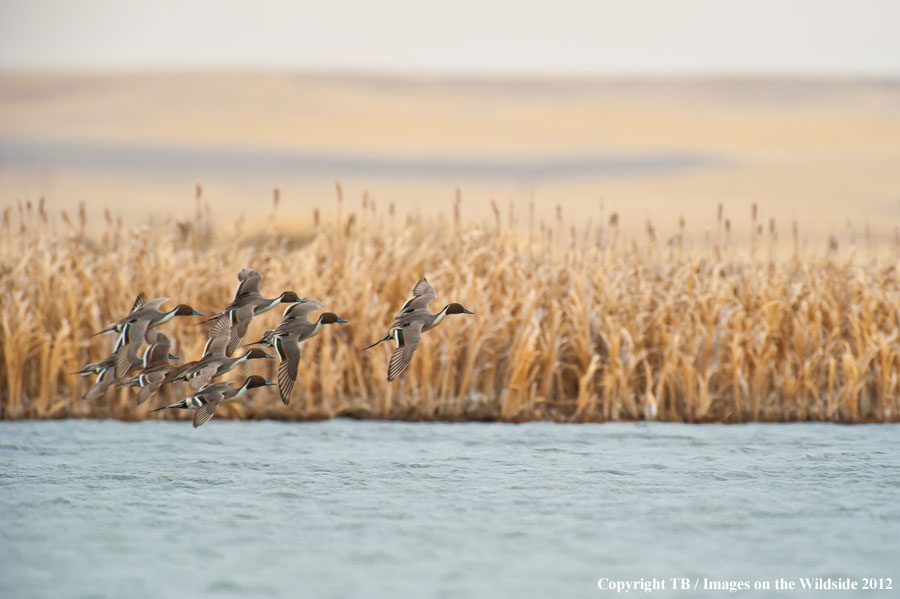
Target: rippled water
[(369, 509)]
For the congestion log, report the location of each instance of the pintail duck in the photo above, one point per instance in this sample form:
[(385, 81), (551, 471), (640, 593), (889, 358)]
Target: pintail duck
[(156, 367), (138, 327), (249, 302), (414, 319), (295, 327), (205, 401)]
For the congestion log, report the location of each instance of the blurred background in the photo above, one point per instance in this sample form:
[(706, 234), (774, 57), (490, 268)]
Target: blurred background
[(653, 109)]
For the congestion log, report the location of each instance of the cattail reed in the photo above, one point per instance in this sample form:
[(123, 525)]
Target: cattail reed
[(603, 332)]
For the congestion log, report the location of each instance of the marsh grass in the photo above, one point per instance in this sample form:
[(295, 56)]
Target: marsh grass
[(577, 323)]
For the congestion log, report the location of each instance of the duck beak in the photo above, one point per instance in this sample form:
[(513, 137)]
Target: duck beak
[(341, 319), (467, 312), (171, 357), (269, 383), (195, 313), (268, 356)]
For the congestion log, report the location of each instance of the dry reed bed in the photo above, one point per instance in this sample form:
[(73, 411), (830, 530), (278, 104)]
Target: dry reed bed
[(597, 330)]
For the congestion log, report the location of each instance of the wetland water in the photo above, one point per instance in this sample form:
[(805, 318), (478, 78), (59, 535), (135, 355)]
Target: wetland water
[(371, 509)]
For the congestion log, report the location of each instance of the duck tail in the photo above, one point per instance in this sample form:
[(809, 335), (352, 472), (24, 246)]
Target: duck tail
[(382, 340), (180, 405)]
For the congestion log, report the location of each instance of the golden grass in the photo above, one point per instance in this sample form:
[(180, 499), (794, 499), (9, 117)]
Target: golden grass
[(570, 325)]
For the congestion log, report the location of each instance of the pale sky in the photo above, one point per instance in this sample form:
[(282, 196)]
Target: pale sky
[(656, 37)]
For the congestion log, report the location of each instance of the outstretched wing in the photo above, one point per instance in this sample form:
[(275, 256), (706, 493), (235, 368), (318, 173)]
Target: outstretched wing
[(289, 351), (154, 304), (219, 335), (249, 283), (127, 346), (150, 382), (158, 352), (408, 338), (240, 322), (423, 294), (301, 309), (214, 391), (104, 382), (138, 302), (205, 412), (202, 377)]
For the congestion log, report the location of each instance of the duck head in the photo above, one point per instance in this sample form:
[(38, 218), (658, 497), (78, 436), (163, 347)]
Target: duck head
[(457, 309), (289, 297), (256, 381), (185, 310), (330, 318)]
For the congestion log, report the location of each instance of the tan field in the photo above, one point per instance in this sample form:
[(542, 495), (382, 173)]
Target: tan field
[(691, 251), (819, 152)]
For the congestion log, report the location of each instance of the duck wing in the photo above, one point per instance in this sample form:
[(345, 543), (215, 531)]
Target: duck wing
[(211, 396), (150, 383), (408, 338), (127, 346), (204, 375), (288, 349), (219, 335), (153, 304), (249, 283), (138, 302), (157, 353), (205, 412), (103, 382), (240, 322), (423, 294)]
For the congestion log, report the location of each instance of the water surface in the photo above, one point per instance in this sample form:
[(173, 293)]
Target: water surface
[(369, 509)]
